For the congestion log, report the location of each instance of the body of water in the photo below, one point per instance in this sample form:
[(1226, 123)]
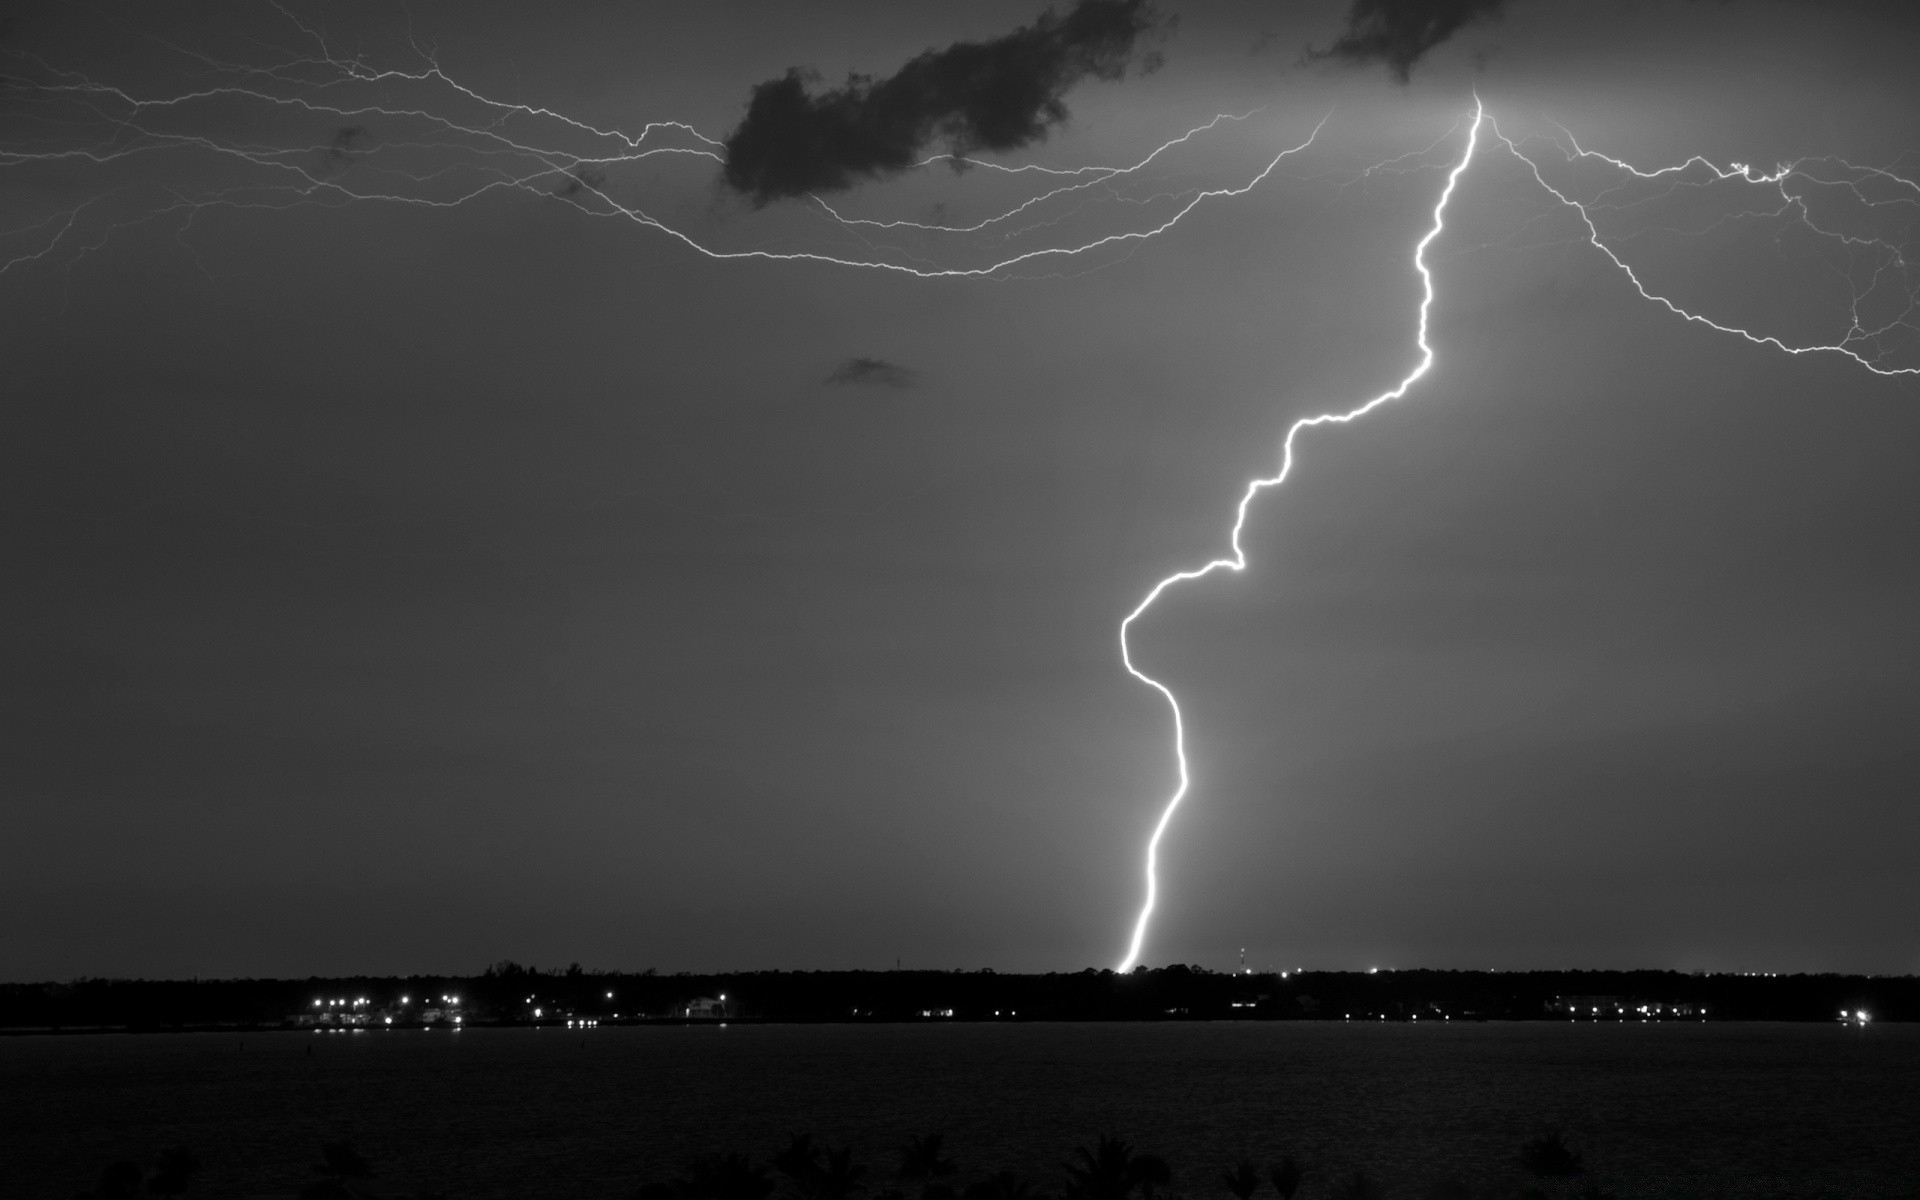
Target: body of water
[(1680, 1110)]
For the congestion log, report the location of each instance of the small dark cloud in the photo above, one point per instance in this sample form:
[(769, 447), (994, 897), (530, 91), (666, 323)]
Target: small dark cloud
[(339, 153), (583, 179), (995, 95), (872, 372), (1400, 32)]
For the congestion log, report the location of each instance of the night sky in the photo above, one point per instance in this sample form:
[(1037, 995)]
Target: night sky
[(400, 586)]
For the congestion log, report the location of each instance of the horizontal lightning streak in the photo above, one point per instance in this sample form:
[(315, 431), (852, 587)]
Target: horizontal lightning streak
[(1237, 561), (544, 165), (1046, 252), (1100, 175), (1856, 336), (492, 160)]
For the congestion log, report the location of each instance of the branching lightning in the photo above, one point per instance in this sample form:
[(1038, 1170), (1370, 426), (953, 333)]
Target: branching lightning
[(1873, 342), (451, 161), (420, 137), (1237, 561)]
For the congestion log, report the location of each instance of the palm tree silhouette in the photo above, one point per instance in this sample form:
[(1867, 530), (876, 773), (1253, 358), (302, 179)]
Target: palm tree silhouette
[(841, 1176), (1149, 1172), (1358, 1186), (725, 1177), (1244, 1180), (175, 1170), (1286, 1176), (1549, 1156), (922, 1162), (121, 1181), (338, 1164), (1449, 1188), (1003, 1185), (800, 1163), (1103, 1173)]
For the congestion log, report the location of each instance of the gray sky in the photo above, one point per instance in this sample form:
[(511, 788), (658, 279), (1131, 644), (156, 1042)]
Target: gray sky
[(394, 587)]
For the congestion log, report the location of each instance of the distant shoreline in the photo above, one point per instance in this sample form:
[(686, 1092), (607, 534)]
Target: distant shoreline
[(511, 996)]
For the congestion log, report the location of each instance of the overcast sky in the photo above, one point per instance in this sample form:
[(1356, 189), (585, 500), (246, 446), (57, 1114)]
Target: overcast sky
[(394, 586)]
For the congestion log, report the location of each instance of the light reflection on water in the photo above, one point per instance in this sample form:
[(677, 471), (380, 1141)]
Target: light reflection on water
[(1679, 1110)]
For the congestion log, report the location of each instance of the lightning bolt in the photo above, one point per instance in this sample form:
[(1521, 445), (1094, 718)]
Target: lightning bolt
[(486, 153), (1237, 561), (494, 146), (1862, 342)]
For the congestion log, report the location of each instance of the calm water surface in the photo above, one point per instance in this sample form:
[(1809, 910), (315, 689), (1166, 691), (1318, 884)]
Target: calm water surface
[(1658, 1110)]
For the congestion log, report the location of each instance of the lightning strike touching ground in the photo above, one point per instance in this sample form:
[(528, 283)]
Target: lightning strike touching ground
[(324, 130), (1237, 561)]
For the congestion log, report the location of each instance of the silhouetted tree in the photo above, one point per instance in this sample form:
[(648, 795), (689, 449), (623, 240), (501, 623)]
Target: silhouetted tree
[(1549, 1156), (338, 1164), (1150, 1173), (800, 1163), (1103, 1173), (1358, 1186), (922, 1162), (1243, 1181), (339, 1161), (725, 1177), (1003, 1185), (921, 1159), (1286, 1176), (840, 1177), (174, 1172), (121, 1181)]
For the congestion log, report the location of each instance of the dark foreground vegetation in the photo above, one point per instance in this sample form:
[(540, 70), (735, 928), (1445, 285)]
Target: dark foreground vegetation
[(511, 994), (1544, 1168)]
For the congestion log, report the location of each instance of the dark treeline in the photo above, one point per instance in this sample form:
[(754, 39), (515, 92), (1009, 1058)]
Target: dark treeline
[(508, 993), (1545, 1168)]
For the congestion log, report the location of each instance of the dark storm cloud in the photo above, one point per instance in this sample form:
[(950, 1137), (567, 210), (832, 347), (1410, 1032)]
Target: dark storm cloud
[(583, 179), (993, 95), (1400, 32), (6, 35), (872, 372), (339, 153)]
